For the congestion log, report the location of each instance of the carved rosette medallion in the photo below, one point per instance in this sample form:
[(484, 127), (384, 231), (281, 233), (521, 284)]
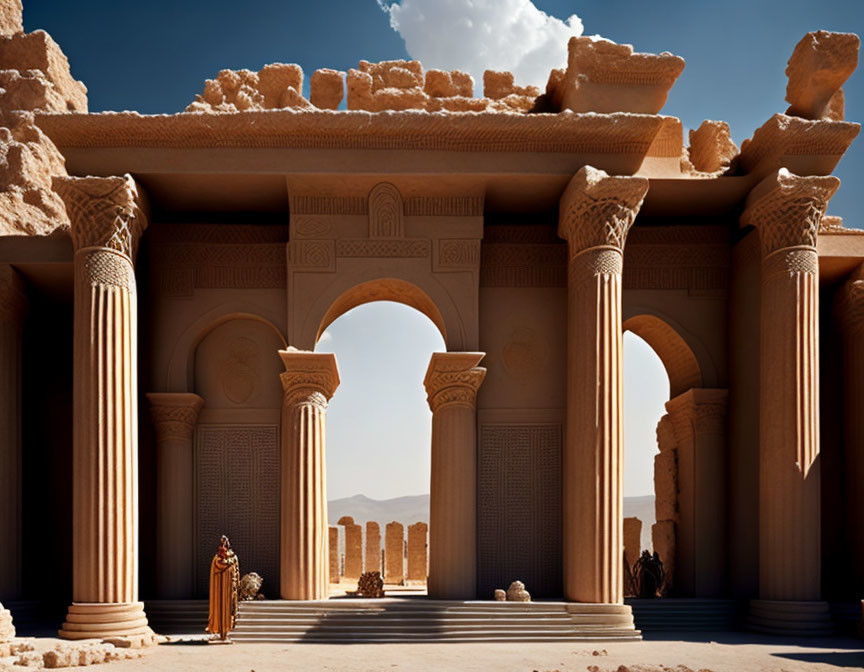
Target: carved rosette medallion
[(453, 378), (597, 210), (309, 378), (787, 210), (174, 415)]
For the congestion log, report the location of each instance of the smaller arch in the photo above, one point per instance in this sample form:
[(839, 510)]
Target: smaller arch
[(681, 364), (384, 289)]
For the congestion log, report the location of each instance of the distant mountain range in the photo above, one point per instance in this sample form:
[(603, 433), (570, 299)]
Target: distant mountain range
[(408, 510)]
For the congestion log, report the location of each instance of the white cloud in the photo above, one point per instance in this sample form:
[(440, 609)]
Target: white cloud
[(478, 35)]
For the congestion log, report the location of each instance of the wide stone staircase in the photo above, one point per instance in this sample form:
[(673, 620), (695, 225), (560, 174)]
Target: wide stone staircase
[(686, 614), (424, 620)]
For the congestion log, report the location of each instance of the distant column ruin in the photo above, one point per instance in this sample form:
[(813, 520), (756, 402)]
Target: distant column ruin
[(418, 552), (394, 545)]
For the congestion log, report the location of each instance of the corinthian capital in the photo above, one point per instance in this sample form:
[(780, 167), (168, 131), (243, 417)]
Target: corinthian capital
[(104, 212), (310, 377), (453, 378), (787, 209), (597, 210), (174, 414)]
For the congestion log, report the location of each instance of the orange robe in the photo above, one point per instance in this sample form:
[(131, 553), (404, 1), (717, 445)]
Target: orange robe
[(224, 579)]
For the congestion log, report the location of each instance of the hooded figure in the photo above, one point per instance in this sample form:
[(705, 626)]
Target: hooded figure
[(224, 580)]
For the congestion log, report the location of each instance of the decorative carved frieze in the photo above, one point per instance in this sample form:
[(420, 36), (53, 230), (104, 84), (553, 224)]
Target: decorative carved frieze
[(309, 378), (304, 226), (787, 209), (444, 206), (174, 415), (598, 210), (457, 255), (104, 212), (453, 378), (328, 205), (360, 247), (386, 216), (312, 255)]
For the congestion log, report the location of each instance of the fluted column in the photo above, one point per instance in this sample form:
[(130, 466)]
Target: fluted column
[(699, 420), (174, 416), (596, 212), (107, 222), (787, 210), (309, 381), (13, 303), (851, 313), (451, 382)]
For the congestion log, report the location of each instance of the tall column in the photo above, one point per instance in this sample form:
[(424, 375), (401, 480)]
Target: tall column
[(309, 381), (451, 382), (107, 222), (787, 210), (699, 420), (596, 212), (13, 303), (174, 416), (851, 313)]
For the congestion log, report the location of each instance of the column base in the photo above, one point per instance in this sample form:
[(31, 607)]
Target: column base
[(790, 618), (104, 620)]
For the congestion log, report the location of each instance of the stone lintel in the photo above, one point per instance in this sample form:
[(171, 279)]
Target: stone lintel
[(819, 66), (174, 414), (109, 212), (807, 147), (787, 209), (597, 210), (309, 376), (453, 378)]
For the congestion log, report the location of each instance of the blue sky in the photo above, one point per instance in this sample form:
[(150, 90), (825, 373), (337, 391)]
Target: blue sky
[(153, 57)]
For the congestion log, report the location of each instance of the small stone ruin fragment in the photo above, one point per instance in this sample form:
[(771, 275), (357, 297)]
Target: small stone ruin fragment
[(517, 593)]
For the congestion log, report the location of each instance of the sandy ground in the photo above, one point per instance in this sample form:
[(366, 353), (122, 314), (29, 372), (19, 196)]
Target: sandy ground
[(728, 653)]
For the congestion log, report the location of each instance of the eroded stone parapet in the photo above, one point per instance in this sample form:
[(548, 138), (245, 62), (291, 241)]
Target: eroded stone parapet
[(275, 86), (449, 84), (603, 76), (28, 162), (106, 212), (804, 147), (51, 88), (326, 88), (787, 209), (501, 88), (711, 148), (11, 18), (821, 63), (597, 210)]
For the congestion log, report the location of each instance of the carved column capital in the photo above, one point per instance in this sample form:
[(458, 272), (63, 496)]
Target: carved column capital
[(107, 212), (850, 302), (787, 209), (174, 414), (453, 378), (13, 296), (698, 410), (310, 377), (597, 210)]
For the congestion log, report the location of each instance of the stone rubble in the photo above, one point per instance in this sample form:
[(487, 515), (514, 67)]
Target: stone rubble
[(274, 87), (517, 593), (819, 66), (711, 148)]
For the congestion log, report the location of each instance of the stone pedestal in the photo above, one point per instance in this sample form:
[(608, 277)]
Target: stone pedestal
[(451, 382), (309, 381), (13, 303), (851, 318), (787, 210), (107, 222), (698, 418), (174, 416), (596, 212)]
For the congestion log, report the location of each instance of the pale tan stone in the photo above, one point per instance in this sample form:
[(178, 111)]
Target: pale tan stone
[(372, 549), (517, 593), (353, 551), (326, 88), (632, 540), (821, 62), (711, 148), (418, 551), (603, 76), (11, 18), (394, 551), (37, 51), (333, 553), (275, 86), (500, 595), (397, 74), (666, 472), (7, 629)]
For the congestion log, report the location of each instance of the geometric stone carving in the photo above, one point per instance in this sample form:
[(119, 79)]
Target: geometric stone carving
[(821, 63), (385, 212)]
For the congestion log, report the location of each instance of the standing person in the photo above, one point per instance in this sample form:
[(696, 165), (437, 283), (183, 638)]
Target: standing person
[(224, 581)]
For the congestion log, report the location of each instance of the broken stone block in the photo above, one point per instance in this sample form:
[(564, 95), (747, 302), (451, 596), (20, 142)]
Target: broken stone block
[(398, 74), (277, 82), (821, 62), (275, 86), (711, 148), (359, 85), (11, 22), (663, 541), (517, 593), (439, 84), (326, 88)]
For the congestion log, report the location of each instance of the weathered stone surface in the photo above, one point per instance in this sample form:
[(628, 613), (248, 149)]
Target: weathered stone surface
[(632, 540), (7, 629), (711, 148), (11, 20), (394, 550), (398, 74), (418, 551), (372, 556), (663, 540), (37, 51), (821, 63), (666, 473), (326, 88), (603, 76), (28, 162), (371, 585), (517, 593), (500, 87), (275, 86), (353, 551), (449, 84), (333, 550)]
